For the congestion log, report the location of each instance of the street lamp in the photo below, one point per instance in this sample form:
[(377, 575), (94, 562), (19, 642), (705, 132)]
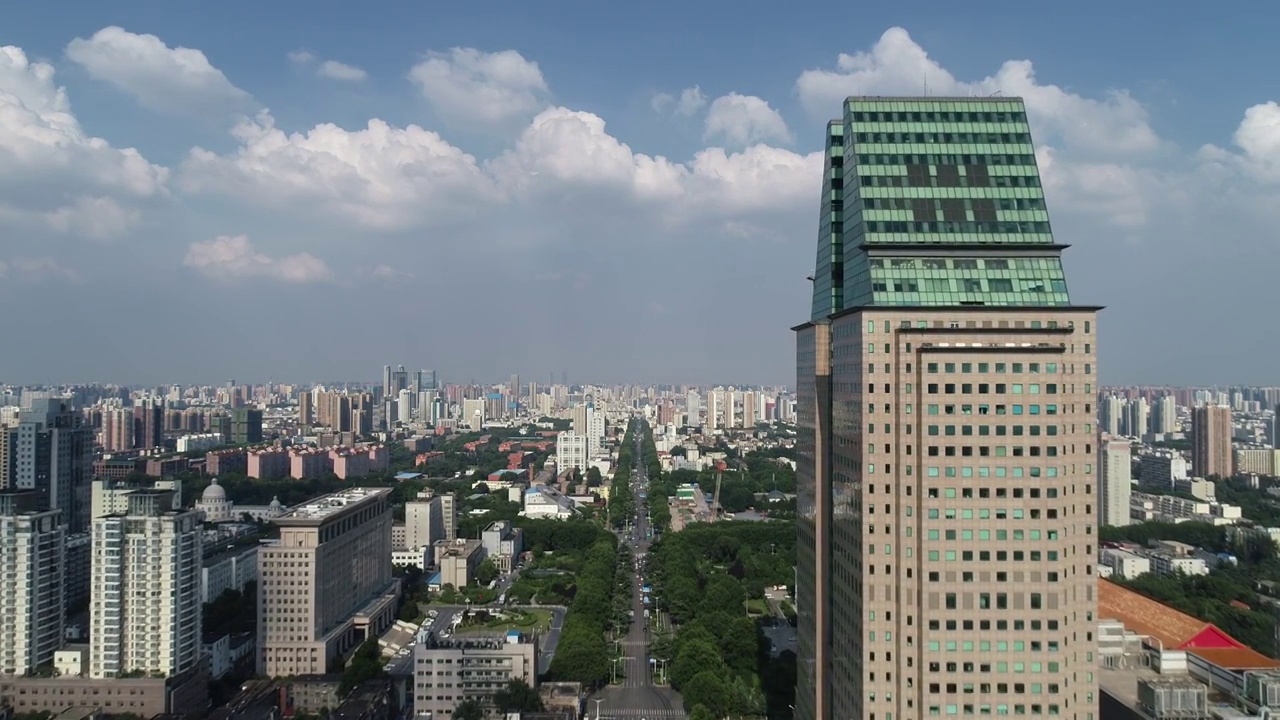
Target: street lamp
[(597, 701)]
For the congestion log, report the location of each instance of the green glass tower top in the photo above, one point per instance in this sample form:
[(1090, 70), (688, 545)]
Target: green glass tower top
[(934, 202)]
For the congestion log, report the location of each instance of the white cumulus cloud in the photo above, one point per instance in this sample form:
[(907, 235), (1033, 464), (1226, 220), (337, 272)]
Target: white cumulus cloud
[(745, 120), (1257, 140), (691, 100), (897, 65), (466, 85), (53, 175), (173, 80), (388, 179), (35, 269), (564, 152), (235, 258), (335, 70), (330, 69), (379, 177)]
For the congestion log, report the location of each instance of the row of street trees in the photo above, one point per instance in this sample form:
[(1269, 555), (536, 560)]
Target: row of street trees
[(583, 653), (622, 504), (703, 577)]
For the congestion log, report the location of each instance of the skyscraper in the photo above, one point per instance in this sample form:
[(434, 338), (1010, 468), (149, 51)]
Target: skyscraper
[(693, 408), (32, 549), (1164, 415), (1115, 481), (148, 423), (305, 403), (146, 612), (246, 426), (53, 455), (945, 390), (1211, 431), (424, 380)]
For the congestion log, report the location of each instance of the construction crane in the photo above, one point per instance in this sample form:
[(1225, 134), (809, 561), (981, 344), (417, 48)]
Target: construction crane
[(715, 500)]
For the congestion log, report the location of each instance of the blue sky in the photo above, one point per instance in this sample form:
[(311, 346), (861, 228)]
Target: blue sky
[(525, 201)]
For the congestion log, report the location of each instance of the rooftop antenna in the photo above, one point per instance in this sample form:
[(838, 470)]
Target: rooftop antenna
[(926, 83)]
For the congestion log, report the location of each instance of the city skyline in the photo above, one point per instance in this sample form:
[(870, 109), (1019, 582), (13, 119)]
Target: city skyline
[(455, 156)]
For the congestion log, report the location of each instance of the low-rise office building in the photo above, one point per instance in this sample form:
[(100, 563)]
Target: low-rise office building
[(457, 561), (503, 544), (447, 672)]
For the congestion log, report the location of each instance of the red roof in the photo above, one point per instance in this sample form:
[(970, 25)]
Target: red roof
[(1176, 630)]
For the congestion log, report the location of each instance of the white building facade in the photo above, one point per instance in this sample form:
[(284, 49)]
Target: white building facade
[(32, 593), (145, 611), (572, 451), (1115, 487)]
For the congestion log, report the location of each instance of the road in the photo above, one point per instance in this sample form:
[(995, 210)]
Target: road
[(637, 695)]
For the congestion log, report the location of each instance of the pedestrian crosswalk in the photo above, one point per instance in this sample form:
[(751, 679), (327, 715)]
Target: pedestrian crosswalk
[(629, 713)]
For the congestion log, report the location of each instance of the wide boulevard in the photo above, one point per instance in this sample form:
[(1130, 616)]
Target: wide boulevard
[(636, 694)]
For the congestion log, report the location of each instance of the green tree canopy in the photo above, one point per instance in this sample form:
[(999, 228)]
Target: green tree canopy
[(700, 712), (693, 658), (365, 664), (707, 689), (517, 696), (486, 572), (468, 710)]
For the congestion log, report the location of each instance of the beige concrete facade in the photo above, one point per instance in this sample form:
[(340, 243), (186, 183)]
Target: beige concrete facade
[(1211, 431), (448, 672), (326, 584), (962, 514), (186, 694), (458, 561)]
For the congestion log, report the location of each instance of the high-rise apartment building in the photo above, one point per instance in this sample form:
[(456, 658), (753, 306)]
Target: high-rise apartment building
[(306, 404), (1138, 418), (945, 397), (1115, 481), (325, 584), (117, 429), (145, 611), (8, 455), (1164, 415), (573, 451), (1211, 432), (53, 455), (246, 426), (148, 423), (32, 601)]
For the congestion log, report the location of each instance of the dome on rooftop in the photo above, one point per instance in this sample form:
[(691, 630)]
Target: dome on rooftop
[(214, 492)]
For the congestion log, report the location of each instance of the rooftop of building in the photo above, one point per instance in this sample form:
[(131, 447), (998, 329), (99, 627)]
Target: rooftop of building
[(459, 547), (326, 506), (916, 99), (429, 640), (1176, 630)]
